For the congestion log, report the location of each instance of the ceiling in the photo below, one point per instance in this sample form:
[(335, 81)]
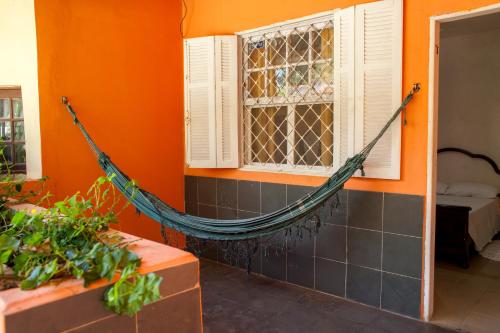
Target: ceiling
[(471, 25)]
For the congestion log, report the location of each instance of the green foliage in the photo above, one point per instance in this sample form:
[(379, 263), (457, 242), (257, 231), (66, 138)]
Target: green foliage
[(132, 291), (72, 239)]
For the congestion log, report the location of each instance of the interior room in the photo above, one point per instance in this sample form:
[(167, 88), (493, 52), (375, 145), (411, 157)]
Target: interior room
[(467, 274)]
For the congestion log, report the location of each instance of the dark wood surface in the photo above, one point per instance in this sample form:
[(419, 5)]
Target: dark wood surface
[(452, 234)]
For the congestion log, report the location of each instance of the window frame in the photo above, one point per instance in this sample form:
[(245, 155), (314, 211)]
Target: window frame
[(11, 94), (289, 26)]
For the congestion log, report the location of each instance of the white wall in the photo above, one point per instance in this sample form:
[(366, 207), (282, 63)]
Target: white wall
[(469, 105), (18, 67)]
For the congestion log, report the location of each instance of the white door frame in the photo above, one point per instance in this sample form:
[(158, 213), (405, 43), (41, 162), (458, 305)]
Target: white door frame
[(435, 22)]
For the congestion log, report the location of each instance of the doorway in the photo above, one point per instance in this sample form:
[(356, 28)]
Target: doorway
[(461, 74)]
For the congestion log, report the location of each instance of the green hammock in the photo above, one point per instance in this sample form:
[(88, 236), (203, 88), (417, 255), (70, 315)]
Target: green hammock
[(234, 230)]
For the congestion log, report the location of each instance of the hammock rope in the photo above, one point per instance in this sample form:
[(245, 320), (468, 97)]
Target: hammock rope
[(233, 230)]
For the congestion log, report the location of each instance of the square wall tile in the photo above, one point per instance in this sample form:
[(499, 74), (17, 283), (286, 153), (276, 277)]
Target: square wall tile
[(273, 197), (243, 214), (191, 208), (207, 211), (364, 247), (227, 213), (330, 276), (331, 242), (190, 189), (227, 195), (300, 270), (401, 294), (402, 255), (249, 196), (207, 190), (208, 249), (302, 244), (273, 256), (334, 210), (295, 192), (403, 214), (256, 261), (363, 285), (274, 264), (365, 210)]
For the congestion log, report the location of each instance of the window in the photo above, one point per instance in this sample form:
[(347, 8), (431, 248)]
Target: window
[(300, 96), (12, 129), (287, 74)]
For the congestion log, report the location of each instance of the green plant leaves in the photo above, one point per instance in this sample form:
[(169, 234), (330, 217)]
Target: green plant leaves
[(39, 275), (67, 240), (7, 242), (132, 291)]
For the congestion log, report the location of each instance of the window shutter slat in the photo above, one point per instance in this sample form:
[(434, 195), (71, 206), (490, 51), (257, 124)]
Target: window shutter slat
[(199, 104), (378, 68), (343, 64), (226, 71)]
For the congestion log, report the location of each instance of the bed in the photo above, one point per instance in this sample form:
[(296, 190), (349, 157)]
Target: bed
[(466, 223)]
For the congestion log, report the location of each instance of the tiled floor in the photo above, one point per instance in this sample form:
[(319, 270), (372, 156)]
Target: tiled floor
[(236, 302), (468, 299)]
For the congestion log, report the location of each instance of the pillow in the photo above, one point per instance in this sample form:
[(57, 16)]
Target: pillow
[(473, 190), (441, 188)]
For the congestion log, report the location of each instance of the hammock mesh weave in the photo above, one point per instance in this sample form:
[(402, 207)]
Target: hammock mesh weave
[(241, 229)]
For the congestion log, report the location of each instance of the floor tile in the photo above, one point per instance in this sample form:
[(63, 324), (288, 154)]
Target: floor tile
[(480, 323), (234, 301), (468, 299)]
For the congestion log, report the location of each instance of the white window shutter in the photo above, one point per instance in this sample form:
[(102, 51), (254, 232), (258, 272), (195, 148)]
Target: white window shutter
[(378, 79), (226, 97), (343, 100), (199, 102)]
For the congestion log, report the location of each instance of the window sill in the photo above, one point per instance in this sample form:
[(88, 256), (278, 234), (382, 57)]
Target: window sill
[(301, 172)]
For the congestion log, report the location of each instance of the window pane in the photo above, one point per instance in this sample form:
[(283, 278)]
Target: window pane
[(19, 130), (4, 108), (256, 84), (5, 131), (268, 135), (6, 151), (17, 105), (20, 153), (314, 135), (298, 80), (322, 78), (276, 51), (298, 47), (256, 54), (276, 82), (290, 65), (322, 43)]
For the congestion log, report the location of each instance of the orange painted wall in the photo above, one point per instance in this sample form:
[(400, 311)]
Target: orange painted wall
[(120, 63), (211, 17)]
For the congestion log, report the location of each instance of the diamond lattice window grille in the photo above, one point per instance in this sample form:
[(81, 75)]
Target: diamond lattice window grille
[(288, 97)]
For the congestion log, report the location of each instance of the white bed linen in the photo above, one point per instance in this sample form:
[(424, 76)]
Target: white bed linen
[(484, 218)]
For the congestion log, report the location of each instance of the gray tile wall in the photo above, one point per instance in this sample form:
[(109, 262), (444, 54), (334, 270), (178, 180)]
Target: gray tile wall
[(368, 249)]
